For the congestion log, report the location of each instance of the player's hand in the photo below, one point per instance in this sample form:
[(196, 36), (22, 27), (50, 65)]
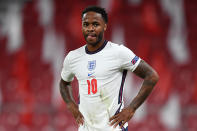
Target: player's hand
[(73, 108), (124, 116)]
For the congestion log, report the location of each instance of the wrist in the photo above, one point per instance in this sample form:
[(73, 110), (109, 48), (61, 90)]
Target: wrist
[(70, 104), (132, 109)]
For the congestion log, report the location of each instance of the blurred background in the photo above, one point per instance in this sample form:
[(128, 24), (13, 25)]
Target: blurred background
[(36, 35)]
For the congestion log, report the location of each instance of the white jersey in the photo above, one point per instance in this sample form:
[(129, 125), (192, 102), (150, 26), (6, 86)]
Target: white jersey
[(101, 75)]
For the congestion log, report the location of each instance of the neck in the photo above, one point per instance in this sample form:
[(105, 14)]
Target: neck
[(92, 48)]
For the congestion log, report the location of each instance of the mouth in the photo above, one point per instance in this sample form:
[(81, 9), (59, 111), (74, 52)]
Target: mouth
[(91, 36)]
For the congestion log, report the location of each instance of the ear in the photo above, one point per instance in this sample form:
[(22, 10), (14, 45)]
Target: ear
[(105, 27)]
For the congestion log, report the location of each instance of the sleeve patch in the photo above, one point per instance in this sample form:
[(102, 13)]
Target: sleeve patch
[(134, 60)]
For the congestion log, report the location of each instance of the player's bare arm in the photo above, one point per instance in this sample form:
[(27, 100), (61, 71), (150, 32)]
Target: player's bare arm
[(66, 93), (150, 77)]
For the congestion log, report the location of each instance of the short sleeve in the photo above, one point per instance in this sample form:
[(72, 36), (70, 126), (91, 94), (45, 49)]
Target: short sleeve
[(66, 73), (128, 60)]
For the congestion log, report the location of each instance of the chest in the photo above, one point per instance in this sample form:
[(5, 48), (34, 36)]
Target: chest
[(98, 65)]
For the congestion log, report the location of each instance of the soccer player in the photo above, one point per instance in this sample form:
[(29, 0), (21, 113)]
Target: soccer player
[(100, 67)]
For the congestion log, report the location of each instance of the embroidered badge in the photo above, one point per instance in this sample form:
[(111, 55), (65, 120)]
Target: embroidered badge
[(134, 60), (91, 65)]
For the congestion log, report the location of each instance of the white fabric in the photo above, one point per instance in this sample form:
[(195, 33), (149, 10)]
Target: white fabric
[(108, 65)]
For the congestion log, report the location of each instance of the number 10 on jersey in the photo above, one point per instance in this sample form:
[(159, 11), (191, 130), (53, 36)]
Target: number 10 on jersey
[(92, 86)]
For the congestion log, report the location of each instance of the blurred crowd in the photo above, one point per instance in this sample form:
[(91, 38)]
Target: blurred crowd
[(36, 35)]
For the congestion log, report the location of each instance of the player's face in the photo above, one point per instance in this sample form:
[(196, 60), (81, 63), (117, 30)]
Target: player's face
[(93, 27)]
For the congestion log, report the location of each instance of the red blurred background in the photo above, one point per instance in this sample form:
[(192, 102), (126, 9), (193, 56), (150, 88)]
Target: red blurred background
[(36, 35)]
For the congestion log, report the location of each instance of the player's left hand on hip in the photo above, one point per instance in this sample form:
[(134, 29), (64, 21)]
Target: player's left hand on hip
[(124, 116)]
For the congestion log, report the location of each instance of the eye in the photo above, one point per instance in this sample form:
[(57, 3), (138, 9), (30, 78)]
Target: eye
[(95, 24), (85, 24)]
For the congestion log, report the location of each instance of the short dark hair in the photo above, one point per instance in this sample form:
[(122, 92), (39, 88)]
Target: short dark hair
[(97, 10)]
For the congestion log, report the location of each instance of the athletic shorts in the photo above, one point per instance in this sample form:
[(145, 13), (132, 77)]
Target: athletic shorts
[(86, 127)]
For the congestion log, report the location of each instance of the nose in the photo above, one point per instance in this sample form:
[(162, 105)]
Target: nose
[(90, 28)]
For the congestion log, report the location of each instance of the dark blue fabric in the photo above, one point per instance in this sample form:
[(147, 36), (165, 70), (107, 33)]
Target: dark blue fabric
[(124, 74), (125, 129), (99, 49)]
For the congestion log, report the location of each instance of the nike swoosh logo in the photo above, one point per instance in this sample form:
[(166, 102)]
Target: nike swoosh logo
[(90, 74)]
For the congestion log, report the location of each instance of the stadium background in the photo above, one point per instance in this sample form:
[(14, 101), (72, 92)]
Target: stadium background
[(35, 36)]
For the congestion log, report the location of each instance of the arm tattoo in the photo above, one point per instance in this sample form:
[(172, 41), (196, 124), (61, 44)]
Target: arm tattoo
[(66, 91), (150, 79)]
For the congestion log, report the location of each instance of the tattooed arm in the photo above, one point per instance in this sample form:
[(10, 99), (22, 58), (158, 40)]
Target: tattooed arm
[(150, 77), (66, 93)]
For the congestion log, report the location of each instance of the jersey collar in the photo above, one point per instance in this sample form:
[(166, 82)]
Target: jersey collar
[(99, 49)]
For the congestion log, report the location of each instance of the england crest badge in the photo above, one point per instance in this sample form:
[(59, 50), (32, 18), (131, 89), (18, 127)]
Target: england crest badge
[(91, 65)]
